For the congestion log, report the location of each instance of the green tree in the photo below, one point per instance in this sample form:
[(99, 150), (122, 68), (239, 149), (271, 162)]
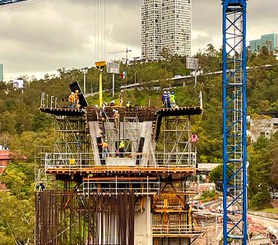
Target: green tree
[(18, 178), (16, 220)]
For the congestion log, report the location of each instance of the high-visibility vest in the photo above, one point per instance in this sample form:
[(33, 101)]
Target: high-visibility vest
[(104, 145), (172, 98), (71, 98), (122, 144)]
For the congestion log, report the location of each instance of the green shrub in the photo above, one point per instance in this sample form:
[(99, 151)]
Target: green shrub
[(260, 200)]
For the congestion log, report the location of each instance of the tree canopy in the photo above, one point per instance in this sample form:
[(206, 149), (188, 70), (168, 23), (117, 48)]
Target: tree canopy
[(23, 128)]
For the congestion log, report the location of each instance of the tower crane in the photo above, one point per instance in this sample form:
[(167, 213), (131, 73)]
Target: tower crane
[(2, 2), (235, 227), (123, 51)]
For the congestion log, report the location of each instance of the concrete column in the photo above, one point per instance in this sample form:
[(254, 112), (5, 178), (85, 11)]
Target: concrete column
[(143, 225), (94, 133)]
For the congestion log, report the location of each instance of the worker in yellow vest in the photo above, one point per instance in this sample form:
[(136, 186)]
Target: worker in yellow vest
[(122, 148), (172, 100)]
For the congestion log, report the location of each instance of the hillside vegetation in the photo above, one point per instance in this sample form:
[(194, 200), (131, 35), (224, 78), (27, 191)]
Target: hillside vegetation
[(23, 128)]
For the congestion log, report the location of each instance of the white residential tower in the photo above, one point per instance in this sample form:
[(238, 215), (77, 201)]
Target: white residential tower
[(165, 24)]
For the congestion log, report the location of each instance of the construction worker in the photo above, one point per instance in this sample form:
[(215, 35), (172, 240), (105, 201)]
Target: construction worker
[(172, 100), (71, 100), (40, 187), (164, 99), (102, 112), (116, 117), (112, 103), (121, 101), (168, 100), (76, 99), (194, 139), (121, 148), (104, 145)]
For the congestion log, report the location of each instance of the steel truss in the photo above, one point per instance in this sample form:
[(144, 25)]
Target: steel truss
[(234, 123)]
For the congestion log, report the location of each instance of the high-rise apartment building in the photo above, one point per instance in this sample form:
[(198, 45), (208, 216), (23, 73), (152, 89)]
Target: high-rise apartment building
[(268, 40), (1, 72), (165, 24), (151, 29)]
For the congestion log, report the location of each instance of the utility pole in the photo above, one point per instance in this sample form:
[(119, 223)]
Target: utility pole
[(114, 68), (85, 71)]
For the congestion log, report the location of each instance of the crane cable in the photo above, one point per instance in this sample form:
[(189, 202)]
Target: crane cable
[(99, 28)]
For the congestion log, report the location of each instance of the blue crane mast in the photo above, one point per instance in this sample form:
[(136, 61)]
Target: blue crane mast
[(2, 2), (235, 227)]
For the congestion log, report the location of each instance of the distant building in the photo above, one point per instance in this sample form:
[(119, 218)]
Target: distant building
[(262, 125), (176, 26), (5, 157), (151, 29), (1, 72), (268, 40), (165, 24)]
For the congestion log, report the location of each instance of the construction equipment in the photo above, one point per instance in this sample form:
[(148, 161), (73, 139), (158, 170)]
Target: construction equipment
[(235, 227), (123, 51)]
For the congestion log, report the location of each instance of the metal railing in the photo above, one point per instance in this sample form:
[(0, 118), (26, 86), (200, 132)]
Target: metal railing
[(45, 103), (116, 186), (68, 159), (175, 159), (174, 228), (120, 159)]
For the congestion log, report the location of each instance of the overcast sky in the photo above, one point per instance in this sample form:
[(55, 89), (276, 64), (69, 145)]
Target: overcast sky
[(41, 36)]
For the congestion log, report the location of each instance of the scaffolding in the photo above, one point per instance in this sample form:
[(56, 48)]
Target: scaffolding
[(104, 198), (174, 146)]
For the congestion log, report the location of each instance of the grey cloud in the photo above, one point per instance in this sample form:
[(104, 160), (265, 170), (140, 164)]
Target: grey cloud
[(41, 36)]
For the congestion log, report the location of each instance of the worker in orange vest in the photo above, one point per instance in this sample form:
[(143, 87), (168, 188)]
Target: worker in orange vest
[(76, 99), (104, 145), (116, 117), (71, 100)]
